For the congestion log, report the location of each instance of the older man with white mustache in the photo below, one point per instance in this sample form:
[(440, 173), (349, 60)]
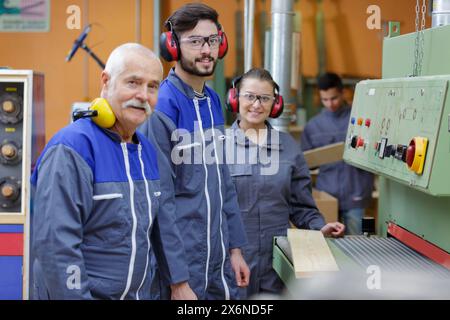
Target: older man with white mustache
[(130, 84), (96, 223), (135, 103)]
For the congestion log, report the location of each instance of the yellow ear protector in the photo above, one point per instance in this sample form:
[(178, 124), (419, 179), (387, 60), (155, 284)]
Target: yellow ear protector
[(105, 116), (100, 111)]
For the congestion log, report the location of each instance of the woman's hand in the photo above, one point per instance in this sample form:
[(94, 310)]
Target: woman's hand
[(333, 229)]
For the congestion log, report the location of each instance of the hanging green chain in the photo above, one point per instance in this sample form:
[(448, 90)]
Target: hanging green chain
[(420, 39)]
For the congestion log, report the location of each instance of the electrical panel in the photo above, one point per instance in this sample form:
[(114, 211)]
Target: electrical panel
[(400, 129), (22, 138), (11, 144)]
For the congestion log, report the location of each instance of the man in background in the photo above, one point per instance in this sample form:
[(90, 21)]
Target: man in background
[(351, 186)]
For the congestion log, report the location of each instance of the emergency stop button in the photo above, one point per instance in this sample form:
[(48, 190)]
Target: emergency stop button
[(415, 154)]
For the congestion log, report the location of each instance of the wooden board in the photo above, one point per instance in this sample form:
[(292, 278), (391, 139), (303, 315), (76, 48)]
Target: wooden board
[(324, 155), (310, 253)]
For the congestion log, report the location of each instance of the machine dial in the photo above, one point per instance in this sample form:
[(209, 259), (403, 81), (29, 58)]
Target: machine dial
[(10, 108), (10, 153), (9, 192)]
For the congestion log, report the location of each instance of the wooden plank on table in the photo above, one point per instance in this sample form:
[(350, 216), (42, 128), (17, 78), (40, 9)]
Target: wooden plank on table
[(324, 155), (310, 253)]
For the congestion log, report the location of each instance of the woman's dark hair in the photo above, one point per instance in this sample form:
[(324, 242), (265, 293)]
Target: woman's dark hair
[(259, 74), (187, 17)]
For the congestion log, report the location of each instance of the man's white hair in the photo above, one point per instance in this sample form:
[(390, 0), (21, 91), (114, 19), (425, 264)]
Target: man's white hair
[(116, 61)]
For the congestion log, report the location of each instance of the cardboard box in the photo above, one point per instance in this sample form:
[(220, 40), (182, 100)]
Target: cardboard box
[(327, 205)]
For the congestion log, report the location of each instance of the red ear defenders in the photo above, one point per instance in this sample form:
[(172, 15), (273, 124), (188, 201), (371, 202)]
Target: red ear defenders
[(170, 46), (233, 99)]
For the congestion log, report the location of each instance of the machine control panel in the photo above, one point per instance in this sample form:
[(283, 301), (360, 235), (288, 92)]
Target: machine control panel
[(22, 139), (399, 129), (11, 141)]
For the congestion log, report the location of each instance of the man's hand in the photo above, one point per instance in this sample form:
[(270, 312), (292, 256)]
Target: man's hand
[(182, 291), (240, 268), (333, 229)]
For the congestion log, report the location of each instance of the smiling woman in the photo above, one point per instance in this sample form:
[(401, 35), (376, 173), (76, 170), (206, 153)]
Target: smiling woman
[(268, 199), (255, 101)]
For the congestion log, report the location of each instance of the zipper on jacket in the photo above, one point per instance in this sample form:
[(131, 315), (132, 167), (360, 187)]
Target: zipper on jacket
[(133, 212), (208, 203), (150, 219), (227, 291)]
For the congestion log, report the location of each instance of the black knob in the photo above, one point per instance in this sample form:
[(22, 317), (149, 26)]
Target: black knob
[(393, 150), (354, 142), (389, 151), (400, 153)]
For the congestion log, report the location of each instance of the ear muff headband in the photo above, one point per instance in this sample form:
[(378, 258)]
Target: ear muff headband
[(223, 47), (233, 96), (169, 45), (278, 104)]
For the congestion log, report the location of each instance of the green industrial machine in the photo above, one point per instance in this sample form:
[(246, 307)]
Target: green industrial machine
[(400, 130), (406, 113), (425, 212)]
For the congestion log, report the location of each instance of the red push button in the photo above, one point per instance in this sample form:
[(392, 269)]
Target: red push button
[(368, 122), (360, 143), (410, 153)]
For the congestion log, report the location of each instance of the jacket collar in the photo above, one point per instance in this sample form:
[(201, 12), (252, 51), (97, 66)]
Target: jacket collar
[(115, 136), (337, 114), (271, 142), (186, 89)]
